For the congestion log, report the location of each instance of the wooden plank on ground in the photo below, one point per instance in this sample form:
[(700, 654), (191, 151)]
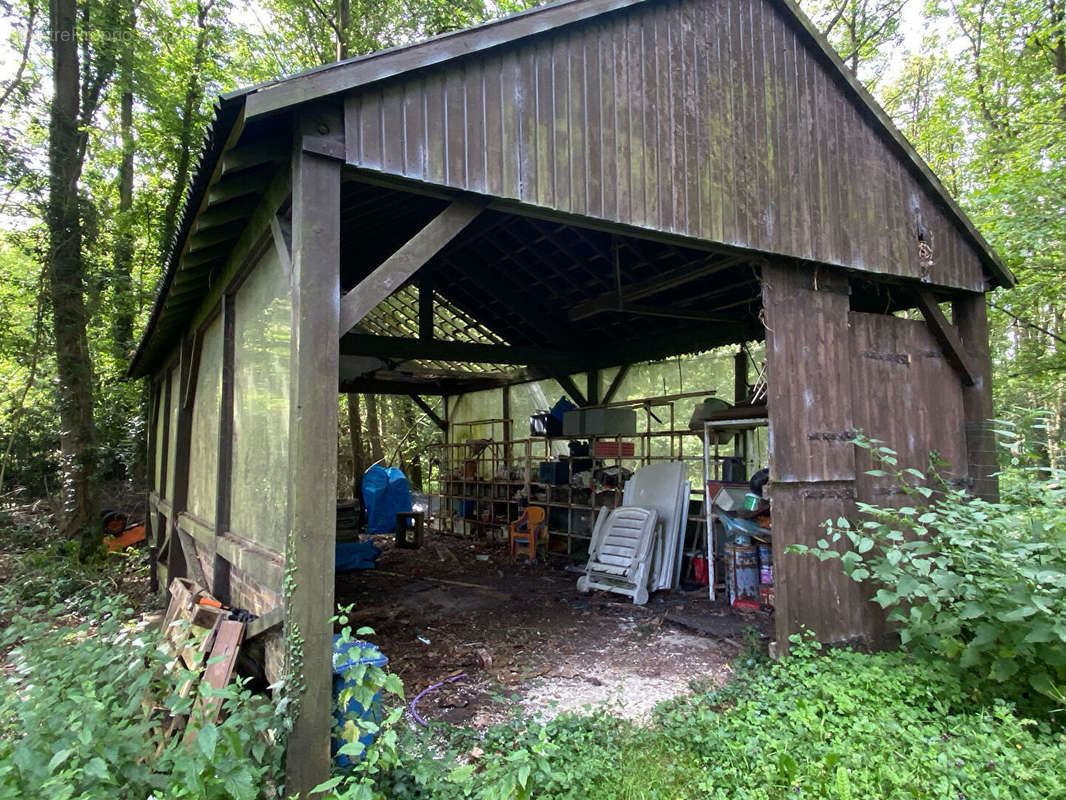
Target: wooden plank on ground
[(221, 663)]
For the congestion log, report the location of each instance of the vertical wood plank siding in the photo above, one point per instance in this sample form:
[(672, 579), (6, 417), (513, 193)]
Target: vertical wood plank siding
[(710, 120), (832, 372)]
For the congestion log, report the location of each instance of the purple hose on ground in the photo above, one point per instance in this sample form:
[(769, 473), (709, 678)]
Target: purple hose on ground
[(427, 690)]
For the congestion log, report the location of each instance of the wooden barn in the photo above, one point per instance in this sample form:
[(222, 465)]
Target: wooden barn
[(577, 188)]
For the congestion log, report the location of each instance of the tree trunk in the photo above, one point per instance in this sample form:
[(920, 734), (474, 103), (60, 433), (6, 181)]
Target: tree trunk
[(373, 428), (75, 389), (355, 424), (344, 20), (124, 301), (410, 420)]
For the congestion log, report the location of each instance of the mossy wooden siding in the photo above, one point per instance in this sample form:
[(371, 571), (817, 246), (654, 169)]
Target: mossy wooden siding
[(715, 120)]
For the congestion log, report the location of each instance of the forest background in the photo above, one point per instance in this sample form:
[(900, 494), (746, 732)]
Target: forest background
[(100, 133)]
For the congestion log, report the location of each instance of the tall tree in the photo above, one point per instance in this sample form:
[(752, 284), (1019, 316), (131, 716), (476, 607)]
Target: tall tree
[(373, 424), (191, 121), (72, 107), (355, 426), (859, 30)]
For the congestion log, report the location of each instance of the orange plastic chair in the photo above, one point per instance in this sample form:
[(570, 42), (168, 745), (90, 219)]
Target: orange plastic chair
[(524, 542)]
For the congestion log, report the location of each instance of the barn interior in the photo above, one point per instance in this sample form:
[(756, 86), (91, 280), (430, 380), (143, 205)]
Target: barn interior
[(508, 318)]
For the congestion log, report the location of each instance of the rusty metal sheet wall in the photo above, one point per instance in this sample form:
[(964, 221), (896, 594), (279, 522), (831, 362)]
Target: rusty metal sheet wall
[(710, 120), (906, 394)]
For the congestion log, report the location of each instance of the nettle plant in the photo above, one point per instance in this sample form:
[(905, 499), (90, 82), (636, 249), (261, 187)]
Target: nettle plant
[(982, 584)]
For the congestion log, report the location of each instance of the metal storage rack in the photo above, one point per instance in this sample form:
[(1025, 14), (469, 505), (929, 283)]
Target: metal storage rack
[(712, 463), (481, 483)]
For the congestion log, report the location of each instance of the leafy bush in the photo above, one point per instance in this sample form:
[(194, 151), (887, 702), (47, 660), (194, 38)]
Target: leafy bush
[(835, 725), (77, 717), (847, 724), (981, 584)]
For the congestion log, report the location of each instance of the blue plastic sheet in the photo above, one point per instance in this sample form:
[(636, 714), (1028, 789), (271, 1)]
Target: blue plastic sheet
[(355, 555), (386, 493)]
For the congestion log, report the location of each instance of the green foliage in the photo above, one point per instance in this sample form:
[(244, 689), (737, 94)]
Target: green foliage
[(78, 716), (839, 724), (981, 584)]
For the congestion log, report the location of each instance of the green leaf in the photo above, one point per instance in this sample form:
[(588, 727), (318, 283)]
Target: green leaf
[(1016, 614), (971, 611), (1003, 669), (1042, 682), (326, 786), (206, 740), (865, 545)]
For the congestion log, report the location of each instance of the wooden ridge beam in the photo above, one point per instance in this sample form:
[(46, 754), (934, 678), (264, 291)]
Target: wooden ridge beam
[(611, 301), (948, 338), (429, 411), (405, 262), (407, 349)]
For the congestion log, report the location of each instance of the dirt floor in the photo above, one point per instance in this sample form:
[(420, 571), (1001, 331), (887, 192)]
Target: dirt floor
[(515, 630)]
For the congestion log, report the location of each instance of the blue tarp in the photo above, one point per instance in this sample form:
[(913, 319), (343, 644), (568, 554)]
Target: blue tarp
[(386, 493), (355, 555)]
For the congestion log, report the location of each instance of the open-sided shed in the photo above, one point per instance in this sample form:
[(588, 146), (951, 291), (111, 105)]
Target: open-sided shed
[(588, 184)]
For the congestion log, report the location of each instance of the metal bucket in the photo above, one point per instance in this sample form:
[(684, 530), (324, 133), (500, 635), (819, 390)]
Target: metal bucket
[(742, 572)]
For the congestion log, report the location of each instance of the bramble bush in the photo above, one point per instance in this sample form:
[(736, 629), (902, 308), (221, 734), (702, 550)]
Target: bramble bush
[(78, 720), (981, 584)]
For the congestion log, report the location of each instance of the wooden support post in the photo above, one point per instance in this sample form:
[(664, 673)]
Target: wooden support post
[(428, 409), (740, 395), (314, 367), (616, 382), (971, 320), (508, 450), (176, 565), (221, 568), (592, 387), (812, 462), (948, 338), (155, 393), (405, 262)]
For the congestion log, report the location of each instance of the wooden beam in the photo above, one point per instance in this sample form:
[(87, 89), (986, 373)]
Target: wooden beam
[(948, 338), (611, 301), (616, 382), (429, 411), (405, 349), (252, 155), (311, 518), (592, 387), (243, 186), (220, 577), (425, 310), (266, 622), (571, 389), (405, 262), (221, 214), (970, 313)]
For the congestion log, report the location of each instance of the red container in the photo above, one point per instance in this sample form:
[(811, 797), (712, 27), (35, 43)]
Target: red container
[(611, 450), (700, 571)]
